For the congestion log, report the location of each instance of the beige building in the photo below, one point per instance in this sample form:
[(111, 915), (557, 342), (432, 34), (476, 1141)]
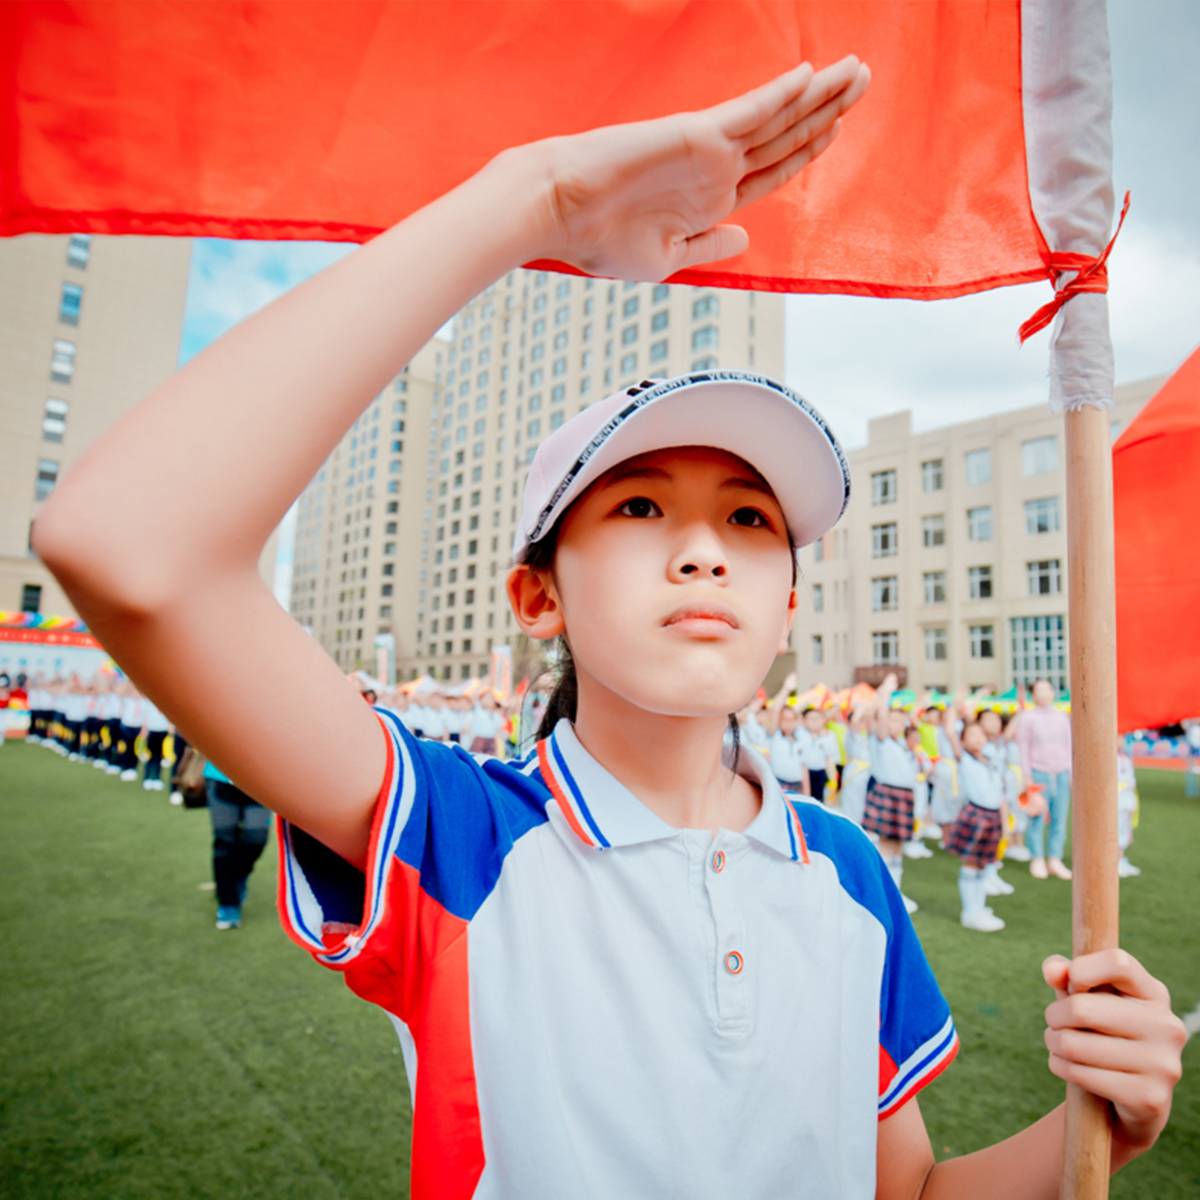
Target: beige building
[(950, 561), (88, 326), (528, 353)]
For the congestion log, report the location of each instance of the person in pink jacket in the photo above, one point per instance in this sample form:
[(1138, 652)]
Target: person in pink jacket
[(1044, 739)]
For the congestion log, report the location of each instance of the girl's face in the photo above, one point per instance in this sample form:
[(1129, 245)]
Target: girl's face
[(672, 582), (897, 722), (814, 721), (788, 719), (974, 738), (990, 721)]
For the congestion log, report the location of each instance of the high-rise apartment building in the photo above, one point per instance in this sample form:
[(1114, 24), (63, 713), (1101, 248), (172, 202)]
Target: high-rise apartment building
[(88, 326), (528, 353), (951, 559)]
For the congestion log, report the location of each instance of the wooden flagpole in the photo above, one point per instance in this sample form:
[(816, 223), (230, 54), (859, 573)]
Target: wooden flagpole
[(1092, 620)]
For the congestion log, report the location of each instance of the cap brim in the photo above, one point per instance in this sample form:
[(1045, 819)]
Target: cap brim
[(761, 421)]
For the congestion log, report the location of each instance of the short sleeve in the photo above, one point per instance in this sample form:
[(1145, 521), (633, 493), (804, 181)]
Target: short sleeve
[(443, 824), (917, 1039)]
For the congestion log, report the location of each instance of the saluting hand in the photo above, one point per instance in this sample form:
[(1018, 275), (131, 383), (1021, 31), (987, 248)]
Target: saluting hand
[(641, 201)]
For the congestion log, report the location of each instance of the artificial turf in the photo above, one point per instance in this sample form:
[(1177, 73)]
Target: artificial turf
[(147, 1055)]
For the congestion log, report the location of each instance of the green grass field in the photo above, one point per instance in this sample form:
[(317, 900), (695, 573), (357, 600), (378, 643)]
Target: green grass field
[(146, 1055)]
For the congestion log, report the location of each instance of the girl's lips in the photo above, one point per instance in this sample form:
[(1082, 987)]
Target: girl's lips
[(703, 618)]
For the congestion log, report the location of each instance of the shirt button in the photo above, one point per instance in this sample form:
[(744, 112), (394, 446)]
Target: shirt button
[(718, 861), (734, 963)]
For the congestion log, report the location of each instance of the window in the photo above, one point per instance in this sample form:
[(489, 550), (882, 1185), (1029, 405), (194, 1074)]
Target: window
[(79, 250), (935, 645), (979, 583), (47, 477), (818, 649), (933, 530), (62, 361), (562, 315), (979, 466), (883, 487), (69, 302), (629, 335), (818, 550), (704, 364), (979, 524), (704, 338), (1039, 456), (935, 587), (1041, 516), (818, 598), (661, 292), (1039, 651), (885, 594), (885, 647), (628, 363), (539, 303), (706, 306), (658, 351), (630, 307), (659, 321), (556, 419), (54, 422), (983, 641), (31, 597), (933, 477), (883, 541), (1045, 577)]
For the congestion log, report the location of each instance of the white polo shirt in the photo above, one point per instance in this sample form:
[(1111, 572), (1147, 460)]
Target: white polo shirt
[(593, 1003), (787, 756), (980, 782), (892, 762), (817, 748)]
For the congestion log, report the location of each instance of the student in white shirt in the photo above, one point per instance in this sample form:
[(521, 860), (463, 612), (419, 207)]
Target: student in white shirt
[(979, 828), (156, 727), (1127, 811), (856, 773), (787, 752), (820, 750), (484, 726), (888, 812)]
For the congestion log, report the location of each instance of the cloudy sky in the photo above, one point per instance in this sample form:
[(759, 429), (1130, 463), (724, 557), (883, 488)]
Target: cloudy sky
[(949, 360)]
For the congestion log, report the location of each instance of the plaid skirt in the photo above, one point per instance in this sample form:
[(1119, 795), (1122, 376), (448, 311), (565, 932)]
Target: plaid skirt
[(976, 836), (888, 812)]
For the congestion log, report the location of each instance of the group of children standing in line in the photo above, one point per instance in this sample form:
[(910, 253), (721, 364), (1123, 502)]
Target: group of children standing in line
[(980, 783), (100, 721)]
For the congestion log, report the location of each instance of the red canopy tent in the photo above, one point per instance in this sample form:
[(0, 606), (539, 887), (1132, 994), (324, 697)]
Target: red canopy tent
[(1158, 570), (982, 158)]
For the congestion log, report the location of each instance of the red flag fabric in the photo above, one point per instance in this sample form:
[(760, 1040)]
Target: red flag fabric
[(1155, 500), (335, 120)]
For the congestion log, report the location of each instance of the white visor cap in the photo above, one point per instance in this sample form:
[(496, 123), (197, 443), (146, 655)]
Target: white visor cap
[(763, 422)]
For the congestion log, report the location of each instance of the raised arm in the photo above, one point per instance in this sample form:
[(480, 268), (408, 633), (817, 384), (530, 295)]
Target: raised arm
[(883, 700), (182, 607), (777, 702)]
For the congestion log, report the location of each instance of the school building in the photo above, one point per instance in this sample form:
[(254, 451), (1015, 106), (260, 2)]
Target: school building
[(404, 537), (88, 326), (950, 563)]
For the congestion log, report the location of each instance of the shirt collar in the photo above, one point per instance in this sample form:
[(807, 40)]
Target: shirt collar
[(604, 813)]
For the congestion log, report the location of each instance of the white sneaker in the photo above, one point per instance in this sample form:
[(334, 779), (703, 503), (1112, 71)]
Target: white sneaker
[(910, 906), (1126, 869), (982, 921), (99, 764), (147, 785), (932, 832), (176, 797), (916, 849), (1018, 853), (111, 770), (128, 776), (72, 757), (997, 887)]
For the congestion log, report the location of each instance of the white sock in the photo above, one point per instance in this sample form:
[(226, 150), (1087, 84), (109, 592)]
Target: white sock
[(970, 888), (896, 866), (990, 872)]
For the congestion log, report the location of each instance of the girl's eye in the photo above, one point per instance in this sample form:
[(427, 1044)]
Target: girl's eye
[(640, 506), (749, 517)]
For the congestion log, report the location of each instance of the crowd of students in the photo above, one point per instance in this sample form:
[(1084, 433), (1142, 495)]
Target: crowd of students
[(985, 786), (103, 721)]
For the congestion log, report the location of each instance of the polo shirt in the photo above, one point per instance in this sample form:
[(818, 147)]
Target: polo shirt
[(594, 1003), (980, 782), (893, 763), (817, 748), (787, 757)]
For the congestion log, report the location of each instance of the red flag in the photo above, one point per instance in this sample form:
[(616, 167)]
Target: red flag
[(1155, 500), (335, 120)]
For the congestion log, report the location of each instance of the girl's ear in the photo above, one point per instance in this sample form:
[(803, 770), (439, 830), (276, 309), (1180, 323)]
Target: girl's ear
[(535, 602), (787, 621)]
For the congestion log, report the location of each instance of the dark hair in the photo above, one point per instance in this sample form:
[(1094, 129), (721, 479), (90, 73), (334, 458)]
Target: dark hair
[(564, 696)]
